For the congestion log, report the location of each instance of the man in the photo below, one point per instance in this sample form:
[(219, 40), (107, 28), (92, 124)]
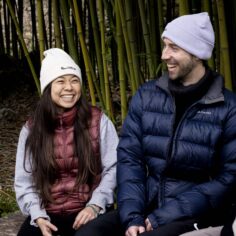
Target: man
[(176, 156)]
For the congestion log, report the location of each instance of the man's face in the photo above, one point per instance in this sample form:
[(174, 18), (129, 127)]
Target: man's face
[(180, 63)]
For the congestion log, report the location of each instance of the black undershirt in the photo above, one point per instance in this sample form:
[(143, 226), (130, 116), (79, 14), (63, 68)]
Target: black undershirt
[(185, 96)]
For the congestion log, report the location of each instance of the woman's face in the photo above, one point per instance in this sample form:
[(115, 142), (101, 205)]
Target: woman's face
[(66, 91)]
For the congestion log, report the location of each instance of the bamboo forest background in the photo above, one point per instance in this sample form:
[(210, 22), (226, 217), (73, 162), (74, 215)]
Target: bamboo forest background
[(115, 42)]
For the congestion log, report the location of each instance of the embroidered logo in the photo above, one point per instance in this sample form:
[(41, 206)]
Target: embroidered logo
[(204, 112), (68, 67)]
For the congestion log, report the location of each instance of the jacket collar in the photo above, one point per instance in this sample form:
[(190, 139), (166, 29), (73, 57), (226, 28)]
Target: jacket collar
[(213, 95), (66, 119)]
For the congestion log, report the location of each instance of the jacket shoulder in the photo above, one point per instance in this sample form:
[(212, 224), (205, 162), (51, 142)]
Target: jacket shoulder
[(230, 96), (149, 85)]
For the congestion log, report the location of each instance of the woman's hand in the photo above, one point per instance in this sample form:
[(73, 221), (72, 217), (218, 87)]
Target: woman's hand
[(88, 213), (46, 226)]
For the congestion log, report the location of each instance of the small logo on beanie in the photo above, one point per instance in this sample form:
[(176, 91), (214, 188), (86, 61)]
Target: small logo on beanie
[(68, 67)]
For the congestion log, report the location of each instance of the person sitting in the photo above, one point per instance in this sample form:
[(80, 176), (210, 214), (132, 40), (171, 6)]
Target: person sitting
[(176, 157), (65, 171)]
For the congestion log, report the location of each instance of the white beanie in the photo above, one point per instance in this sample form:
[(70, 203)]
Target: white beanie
[(193, 33), (57, 63)]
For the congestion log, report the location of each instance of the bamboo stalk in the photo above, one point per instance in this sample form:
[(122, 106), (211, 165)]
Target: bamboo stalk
[(120, 50), (7, 28), (14, 44), (183, 7), (206, 8), (127, 46), (20, 36), (40, 28), (146, 36), (69, 31), (49, 23), (105, 72), (217, 38), (153, 20), (90, 74), (161, 29), (97, 42), (57, 31), (224, 44), (2, 46), (35, 45), (132, 35)]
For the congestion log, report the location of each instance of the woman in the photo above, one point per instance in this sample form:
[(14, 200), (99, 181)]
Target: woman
[(66, 156)]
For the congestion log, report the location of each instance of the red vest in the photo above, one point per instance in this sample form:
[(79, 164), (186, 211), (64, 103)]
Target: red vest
[(69, 198)]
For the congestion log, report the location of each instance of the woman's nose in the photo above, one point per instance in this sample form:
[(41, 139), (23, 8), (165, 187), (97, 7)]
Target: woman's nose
[(68, 85)]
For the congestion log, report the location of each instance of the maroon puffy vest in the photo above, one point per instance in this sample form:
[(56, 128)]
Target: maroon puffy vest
[(69, 198)]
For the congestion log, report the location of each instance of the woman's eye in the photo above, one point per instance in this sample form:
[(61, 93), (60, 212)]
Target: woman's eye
[(75, 81), (60, 81)]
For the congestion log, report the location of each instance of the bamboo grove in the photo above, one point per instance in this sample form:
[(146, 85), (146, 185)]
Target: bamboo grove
[(115, 42)]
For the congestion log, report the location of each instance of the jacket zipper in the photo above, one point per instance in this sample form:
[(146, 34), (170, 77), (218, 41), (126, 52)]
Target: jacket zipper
[(175, 132), (161, 198)]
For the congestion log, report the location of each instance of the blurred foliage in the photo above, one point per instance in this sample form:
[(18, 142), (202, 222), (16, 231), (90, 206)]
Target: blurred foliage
[(7, 202)]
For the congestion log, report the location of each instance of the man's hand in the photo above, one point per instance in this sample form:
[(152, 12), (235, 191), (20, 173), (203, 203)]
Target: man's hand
[(46, 226), (148, 225), (85, 216), (134, 230)]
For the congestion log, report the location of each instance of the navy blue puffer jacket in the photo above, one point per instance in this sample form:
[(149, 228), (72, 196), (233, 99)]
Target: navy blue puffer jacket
[(168, 175)]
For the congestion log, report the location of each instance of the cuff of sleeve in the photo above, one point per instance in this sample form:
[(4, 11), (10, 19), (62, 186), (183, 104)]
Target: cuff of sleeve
[(153, 221), (99, 204), (101, 200), (35, 213), (139, 220)]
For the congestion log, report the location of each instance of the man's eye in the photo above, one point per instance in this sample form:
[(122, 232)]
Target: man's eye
[(175, 48)]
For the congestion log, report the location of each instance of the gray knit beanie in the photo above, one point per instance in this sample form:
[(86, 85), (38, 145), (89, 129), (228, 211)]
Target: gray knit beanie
[(193, 33)]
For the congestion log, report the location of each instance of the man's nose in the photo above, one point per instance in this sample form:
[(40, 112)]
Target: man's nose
[(165, 54)]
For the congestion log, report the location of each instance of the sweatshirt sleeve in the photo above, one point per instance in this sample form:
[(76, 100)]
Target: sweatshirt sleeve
[(26, 195), (103, 195)]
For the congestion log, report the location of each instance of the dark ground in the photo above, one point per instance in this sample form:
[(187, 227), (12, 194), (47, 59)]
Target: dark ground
[(10, 224), (14, 109)]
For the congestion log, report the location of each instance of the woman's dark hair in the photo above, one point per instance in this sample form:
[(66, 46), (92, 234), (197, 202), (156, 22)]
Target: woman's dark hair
[(39, 144)]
